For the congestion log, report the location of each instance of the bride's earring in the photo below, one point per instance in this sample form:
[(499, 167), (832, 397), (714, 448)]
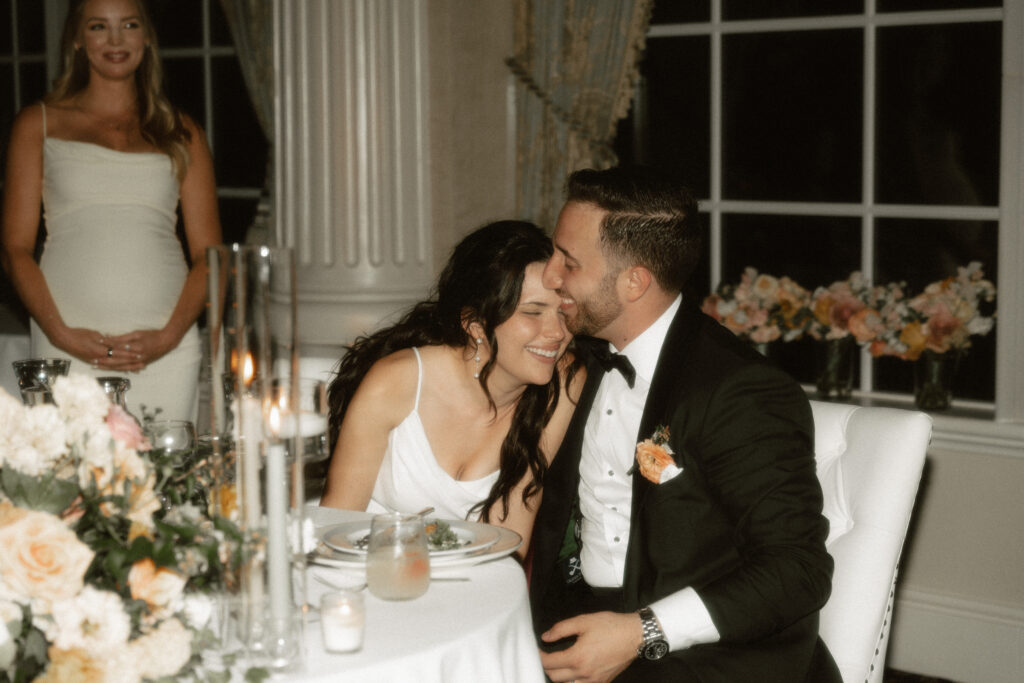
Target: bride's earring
[(479, 341)]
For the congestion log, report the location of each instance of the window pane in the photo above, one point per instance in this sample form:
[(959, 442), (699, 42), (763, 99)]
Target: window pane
[(919, 5), (680, 11), (220, 32), (938, 114), (699, 285), (792, 115), (813, 250), (33, 82), (670, 123), (178, 23), (5, 28), (183, 83), (924, 251), (235, 218), (31, 27), (7, 111), (745, 9), (240, 148)]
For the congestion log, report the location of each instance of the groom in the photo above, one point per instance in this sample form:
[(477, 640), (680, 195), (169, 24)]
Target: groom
[(680, 535)]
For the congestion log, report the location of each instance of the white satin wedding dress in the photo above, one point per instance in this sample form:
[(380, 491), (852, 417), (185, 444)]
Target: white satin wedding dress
[(113, 262)]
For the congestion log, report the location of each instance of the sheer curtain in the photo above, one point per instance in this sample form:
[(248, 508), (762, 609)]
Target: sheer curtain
[(575, 63), (252, 28)]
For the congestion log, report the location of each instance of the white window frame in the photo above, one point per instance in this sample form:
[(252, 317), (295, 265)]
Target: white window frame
[(992, 427)]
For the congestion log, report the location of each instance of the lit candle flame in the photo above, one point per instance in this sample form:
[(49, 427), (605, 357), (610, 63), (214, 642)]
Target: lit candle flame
[(274, 419), (248, 369)]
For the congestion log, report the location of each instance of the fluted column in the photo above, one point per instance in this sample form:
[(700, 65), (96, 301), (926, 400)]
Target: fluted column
[(352, 192)]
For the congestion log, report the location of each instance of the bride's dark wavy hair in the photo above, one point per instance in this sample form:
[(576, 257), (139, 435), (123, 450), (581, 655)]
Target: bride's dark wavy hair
[(481, 283)]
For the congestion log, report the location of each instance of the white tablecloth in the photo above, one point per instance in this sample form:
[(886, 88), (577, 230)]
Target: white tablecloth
[(476, 630)]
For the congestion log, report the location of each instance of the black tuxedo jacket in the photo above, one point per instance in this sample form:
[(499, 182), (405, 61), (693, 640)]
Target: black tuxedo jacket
[(741, 524)]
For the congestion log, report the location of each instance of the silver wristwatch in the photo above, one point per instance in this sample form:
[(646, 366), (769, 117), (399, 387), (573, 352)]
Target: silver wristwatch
[(655, 646)]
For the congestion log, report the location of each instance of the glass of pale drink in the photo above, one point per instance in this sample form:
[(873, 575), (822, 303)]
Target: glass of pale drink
[(397, 559)]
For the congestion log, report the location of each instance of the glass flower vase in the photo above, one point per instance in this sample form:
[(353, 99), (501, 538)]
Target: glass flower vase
[(251, 320), (933, 379), (835, 368)]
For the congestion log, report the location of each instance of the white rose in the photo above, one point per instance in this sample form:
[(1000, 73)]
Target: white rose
[(198, 609), (93, 620), (95, 450), (79, 396), (164, 651)]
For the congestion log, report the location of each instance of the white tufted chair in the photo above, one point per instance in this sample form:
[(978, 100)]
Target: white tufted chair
[(869, 463)]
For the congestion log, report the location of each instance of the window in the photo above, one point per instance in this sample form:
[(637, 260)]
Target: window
[(201, 76), (824, 138)]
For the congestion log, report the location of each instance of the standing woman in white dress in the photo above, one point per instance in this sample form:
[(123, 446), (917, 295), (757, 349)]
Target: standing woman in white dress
[(108, 158)]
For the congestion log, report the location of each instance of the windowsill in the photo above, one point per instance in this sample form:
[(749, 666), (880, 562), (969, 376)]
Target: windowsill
[(967, 429)]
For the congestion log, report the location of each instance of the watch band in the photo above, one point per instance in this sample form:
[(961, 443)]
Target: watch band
[(655, 645)]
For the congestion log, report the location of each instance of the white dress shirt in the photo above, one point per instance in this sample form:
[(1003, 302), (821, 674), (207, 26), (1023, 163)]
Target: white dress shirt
[(606, 491)]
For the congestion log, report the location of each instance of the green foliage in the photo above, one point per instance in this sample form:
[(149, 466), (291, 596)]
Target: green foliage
[(46, 492)]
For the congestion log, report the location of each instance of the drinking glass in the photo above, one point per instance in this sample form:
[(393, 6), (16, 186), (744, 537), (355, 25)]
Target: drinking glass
[(36, 375), (397, 559), (173, 438)]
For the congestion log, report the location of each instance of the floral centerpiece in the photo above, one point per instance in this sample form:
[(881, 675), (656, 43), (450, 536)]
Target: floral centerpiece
[(761, 307), (945, 316), (99, 582), (833, 307), (934, 329)]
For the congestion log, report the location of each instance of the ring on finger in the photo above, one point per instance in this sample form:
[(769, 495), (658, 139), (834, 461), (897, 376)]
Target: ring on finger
[(110, 352)]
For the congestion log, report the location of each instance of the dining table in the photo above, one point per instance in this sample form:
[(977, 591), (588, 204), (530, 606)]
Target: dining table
[(472, 624)]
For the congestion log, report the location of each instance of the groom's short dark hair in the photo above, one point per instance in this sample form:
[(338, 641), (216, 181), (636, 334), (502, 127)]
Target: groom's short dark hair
[(652, 220)]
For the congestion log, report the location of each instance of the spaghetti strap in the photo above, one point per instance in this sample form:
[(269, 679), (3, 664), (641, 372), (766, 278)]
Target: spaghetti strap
[(43, 107), (419, 379)]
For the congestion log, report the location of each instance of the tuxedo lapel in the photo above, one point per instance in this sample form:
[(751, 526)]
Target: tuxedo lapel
[(662, 401)]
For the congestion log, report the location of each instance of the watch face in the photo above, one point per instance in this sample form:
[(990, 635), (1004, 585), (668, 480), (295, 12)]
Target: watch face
[(656, 650)]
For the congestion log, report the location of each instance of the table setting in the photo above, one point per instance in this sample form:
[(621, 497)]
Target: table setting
[(204, 553), (472, 621)]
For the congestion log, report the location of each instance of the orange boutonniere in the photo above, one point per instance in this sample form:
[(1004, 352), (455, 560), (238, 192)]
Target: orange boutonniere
[(654, 458)]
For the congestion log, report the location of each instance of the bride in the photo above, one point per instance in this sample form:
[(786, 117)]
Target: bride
[(461, 404)]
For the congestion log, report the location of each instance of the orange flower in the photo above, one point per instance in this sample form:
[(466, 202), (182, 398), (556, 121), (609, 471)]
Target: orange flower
[(652, 459), (158, 587), (914, 338)]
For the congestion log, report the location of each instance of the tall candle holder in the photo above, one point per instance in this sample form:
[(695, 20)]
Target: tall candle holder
[(251, 320)]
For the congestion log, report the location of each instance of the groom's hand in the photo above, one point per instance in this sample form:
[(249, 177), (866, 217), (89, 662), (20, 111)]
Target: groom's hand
[(606, 643)]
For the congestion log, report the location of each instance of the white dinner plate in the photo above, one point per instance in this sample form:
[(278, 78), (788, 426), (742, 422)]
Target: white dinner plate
[(474, 537), (507, 542)]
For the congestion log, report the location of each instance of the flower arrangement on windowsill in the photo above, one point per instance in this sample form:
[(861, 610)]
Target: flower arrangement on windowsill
[(761, 308), (932, 328), (98, 581)]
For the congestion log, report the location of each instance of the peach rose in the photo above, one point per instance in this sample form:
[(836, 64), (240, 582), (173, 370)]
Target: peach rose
[(73, 665), (158, 587), (652, 458), (42, 558)]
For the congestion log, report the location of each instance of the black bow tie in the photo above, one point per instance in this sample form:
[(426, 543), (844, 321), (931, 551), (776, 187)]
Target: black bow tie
[(609, 361)]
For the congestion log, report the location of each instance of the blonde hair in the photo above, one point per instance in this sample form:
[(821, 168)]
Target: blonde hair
[(160, 122)]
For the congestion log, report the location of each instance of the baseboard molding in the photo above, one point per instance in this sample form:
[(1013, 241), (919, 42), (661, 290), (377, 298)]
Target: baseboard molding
[(962, 640)]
